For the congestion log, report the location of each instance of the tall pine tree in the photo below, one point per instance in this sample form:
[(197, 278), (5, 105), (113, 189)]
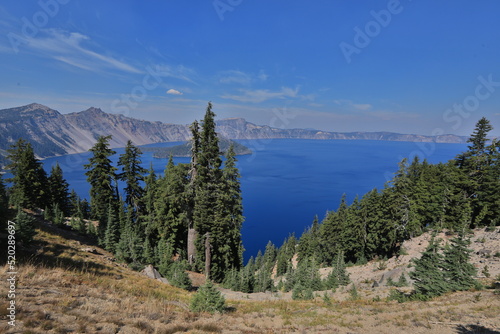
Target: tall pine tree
[(29, 182), (102, 178), (59, 192), (132, 173)]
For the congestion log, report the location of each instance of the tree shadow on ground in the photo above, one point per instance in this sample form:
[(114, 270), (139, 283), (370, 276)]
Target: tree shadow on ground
[(475, 329), (41, 253)]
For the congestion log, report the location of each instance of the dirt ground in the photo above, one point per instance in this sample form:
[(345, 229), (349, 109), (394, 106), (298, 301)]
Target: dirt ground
[(70, 286)]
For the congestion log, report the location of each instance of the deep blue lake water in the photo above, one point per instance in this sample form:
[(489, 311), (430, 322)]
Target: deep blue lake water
[(286, 182)]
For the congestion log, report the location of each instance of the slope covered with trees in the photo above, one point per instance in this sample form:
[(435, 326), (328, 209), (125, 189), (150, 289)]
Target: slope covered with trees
[(191, 216), (458, 195)]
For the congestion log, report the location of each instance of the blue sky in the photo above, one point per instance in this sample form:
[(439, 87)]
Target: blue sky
[(418, 66)]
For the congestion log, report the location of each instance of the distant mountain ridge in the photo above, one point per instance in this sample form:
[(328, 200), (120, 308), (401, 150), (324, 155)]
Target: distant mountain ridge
[(52, 133)]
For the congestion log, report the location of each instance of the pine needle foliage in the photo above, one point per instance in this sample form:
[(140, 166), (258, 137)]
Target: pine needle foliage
[(208, 299)]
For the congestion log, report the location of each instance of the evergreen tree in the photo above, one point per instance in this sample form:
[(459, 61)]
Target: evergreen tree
[(58, 188), (208, 299), (112, 233), (171, 206), (285, 254), (307, 275), (479, 167), (129, 248), (229, 214), (215, 198), (25, 227), (191, 193), (147, 219), (206, 183), (29, 182), (74, 203), (4, 206), (309, 243), (458, 272), (101, 176), (58, 216), (333, 231), (339, 270), (428, 275), (177, 276), (132, 174)]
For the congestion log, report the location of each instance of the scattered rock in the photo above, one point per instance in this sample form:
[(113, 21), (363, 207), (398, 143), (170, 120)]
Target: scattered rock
[(484, 252), (151, 272), (89, 250)]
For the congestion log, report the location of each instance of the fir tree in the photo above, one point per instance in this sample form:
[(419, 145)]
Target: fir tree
[(206, 194), (132, 174), (147, 219), (481, 171), (29, 182), (208, 299), (229, 214), (101, 176), (307, 275), (309, 243), (428, 275), (458, 272), (112, 233), (177, 276), (58, 188), (25, 227), (285, 254), (339, 270), (171, 206), (4, 206)]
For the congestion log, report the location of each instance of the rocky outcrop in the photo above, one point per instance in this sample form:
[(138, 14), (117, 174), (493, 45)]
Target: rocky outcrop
[(151, 272)]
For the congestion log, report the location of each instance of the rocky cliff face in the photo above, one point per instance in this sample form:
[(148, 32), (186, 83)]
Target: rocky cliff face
[(239, 128), (52, 133)]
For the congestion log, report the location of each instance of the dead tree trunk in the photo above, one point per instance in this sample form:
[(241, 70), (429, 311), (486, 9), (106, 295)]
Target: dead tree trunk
[(191, 248), (208, 255)]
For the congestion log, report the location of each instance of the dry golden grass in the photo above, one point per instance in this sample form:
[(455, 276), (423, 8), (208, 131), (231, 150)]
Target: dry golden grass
[(63, 289)]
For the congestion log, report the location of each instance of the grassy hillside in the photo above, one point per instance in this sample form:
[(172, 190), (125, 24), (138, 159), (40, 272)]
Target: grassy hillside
[(66, 284)]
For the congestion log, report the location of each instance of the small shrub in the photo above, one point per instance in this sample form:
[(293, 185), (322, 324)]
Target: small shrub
[(361, 261), (382, 265), (327, 299), (353, 293), (25, 229), (402, 281), (403, 251), (301, 293), (397, 295), (390, 282), (208, 299), (486, 272)]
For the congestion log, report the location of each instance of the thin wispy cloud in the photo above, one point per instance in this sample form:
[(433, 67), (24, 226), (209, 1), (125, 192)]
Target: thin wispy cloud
[(69, 48), (261, 95), (353, 106), (240, 77), (180, 72), (235, 77)]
